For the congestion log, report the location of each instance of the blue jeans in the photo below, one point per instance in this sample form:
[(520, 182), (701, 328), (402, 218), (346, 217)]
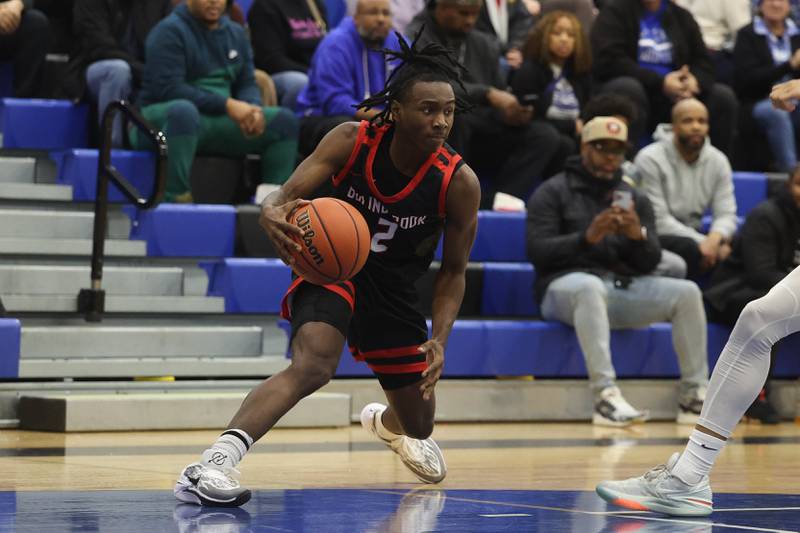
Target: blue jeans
[(109, 80), (779, 127), (288, 85), (593, 306)]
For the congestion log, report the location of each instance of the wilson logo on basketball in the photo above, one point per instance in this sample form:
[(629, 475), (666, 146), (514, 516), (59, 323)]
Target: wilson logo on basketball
[(304, 223)]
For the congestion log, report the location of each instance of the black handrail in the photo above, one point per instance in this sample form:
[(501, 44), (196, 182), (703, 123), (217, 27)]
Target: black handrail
[(91, 301)]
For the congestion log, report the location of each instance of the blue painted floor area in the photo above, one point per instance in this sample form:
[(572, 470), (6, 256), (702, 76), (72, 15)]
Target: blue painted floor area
[(379, 511)]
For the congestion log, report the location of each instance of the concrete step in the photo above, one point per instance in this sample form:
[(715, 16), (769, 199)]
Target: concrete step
[(70, 247), (103, 341), (68, 280), (127, 367), (25, 303), (153, 411), (62, 224), (35, 192), (17, 169)]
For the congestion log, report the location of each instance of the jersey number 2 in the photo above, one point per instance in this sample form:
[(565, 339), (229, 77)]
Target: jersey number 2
[(391, 227)]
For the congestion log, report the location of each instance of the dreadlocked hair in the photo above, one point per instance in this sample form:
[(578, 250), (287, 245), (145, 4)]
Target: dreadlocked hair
[(432, 62)]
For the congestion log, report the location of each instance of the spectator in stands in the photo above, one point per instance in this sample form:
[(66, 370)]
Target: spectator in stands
[(509, 23), (347, 68), (200, 90), (653, 52), (285, 34), (684, 177), (403, 11), (499, 129), (556, 73), (591, 237), (795, 9), (24, 40), (719, 20), (585, 10), (109, 52), (768, 52), (765, 250)]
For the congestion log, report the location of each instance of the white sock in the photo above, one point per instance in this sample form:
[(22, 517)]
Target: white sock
[(229, 449), (384, 433), (698, 458)]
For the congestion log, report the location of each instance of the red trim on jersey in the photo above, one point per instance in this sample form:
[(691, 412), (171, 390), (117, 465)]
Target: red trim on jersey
[(408, 368), (349, 297), (409, 188), (448, 175), (360, 141)]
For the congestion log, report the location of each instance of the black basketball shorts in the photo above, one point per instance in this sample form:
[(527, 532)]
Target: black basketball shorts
[(381, 326)]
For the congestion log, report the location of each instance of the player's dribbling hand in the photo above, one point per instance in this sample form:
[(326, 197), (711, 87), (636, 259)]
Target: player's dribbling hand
[(434, 355), (784, 95), (274, 220)]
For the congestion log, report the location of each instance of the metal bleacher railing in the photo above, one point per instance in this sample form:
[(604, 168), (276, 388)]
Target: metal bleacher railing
[(91, 302)]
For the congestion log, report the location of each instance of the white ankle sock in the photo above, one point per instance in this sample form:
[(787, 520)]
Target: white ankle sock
[(698, 458), (382, 431), (229, 449)]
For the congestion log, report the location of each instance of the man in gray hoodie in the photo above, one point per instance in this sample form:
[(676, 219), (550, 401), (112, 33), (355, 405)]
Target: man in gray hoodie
[(684, 177)]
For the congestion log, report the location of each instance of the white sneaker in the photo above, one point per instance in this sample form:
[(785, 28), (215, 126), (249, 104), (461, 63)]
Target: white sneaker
[(689, 408), (203, 485), (422, 457), (658, 490), (611, 409)]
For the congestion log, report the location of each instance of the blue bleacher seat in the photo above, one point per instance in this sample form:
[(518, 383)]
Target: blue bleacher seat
[(178, 230), (486, 348), (9, 347), (44, 124), (750, 189), (500, 237), (78, 167), (337, 10), (508, 290), (6, 84), (248, 285)]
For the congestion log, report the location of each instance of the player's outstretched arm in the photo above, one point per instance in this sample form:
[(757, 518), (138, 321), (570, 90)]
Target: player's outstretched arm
[(463, 198), (329, 157), (785, 95)]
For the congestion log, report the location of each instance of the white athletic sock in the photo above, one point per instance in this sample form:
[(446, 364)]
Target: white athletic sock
[(384, 433), (229, 449), (698, 458)]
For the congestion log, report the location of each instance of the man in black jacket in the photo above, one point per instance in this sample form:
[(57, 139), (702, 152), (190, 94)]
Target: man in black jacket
[(499, 127), (591, 236), (653, 52), (109, 56)]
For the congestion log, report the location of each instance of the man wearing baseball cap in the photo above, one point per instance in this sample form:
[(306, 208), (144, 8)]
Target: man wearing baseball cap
[(591, 237)]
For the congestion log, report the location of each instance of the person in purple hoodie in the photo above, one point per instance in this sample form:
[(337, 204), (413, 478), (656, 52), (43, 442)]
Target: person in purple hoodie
[(346, 68)]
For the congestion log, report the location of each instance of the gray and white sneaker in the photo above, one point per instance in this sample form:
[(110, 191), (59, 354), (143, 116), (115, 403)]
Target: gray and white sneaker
[(611, 409), (658, 490), (422, 457), (204, 485), (689, 408)]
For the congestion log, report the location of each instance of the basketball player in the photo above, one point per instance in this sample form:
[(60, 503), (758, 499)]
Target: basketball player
[(411, 187), (681, 487)]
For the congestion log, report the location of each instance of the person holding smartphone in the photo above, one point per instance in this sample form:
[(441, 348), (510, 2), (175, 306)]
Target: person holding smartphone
[(591, 236)]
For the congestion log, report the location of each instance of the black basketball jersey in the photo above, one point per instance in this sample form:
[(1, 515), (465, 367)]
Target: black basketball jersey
[(405, 215)]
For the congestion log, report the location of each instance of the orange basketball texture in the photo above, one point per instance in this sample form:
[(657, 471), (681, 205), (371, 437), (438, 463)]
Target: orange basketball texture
[(335, 242)]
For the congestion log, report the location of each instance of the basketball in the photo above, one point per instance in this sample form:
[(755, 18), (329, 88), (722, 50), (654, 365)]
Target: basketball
[(335, 241)]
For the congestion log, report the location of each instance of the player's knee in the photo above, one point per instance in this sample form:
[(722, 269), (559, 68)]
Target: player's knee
[(313, 375)]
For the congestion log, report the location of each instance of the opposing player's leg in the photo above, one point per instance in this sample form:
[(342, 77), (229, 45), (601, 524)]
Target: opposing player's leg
[(681, 486), (319, 321)]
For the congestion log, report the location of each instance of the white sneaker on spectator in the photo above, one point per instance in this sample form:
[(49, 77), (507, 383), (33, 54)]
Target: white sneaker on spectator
[(689, 408), (611, 409), (506, 202), (264, 190)]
